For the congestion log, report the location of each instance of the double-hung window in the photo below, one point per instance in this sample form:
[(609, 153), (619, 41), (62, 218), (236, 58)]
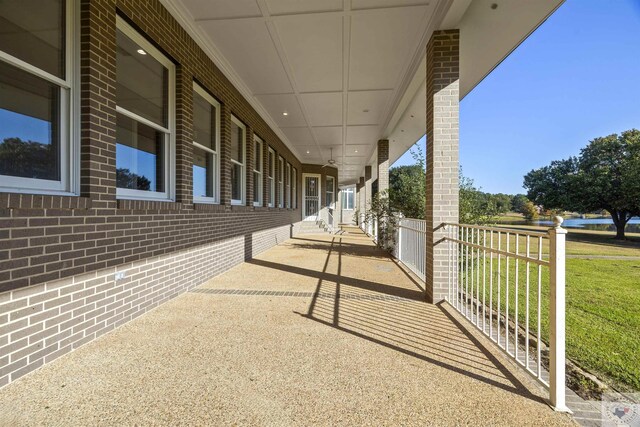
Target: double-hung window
[(206, 146), (280, 182), (330, 192), (257, 171), (37, 97), (145, 85), (347, 198), (288, 192), (238, 139), (294, 188), (271, 176)]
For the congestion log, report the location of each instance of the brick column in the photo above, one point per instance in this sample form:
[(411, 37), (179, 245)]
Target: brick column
[(184, 136), (98, 103), (225, 155), (443, 53), (383, 165), (362, 207), (367, 188), (249, 166)]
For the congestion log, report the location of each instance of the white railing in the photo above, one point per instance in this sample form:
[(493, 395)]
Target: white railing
[(410, 245), (370, 226), (511, 285)]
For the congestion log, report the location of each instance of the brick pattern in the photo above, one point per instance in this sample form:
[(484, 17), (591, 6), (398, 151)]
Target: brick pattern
[(362, 197), (44, 238), (43, 322), (383, 165), (443, 53)]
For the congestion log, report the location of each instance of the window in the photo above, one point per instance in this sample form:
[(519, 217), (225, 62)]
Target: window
[(37, 97), (145, 79), (271, 178), (330, 192), (294, 186), (347, 198), (206, 146), (257, 171), (288, 192), (238, 131), (280, 182)]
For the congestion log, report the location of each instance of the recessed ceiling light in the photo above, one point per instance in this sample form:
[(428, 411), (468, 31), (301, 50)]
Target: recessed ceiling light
[(356, 151), (401, 130), (366, 110), (142, 52), (307, 151), (412, 116), (284, 113), (494, 6)]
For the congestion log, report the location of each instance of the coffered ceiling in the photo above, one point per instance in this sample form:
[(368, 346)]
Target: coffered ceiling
[(329, 73)]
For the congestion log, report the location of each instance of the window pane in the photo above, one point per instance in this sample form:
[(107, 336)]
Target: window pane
[(203, 167), (142, 83), (236, 182), (257, 186), (140, 156), (204, 123), (237, 142), (29, 125), (34, 31)]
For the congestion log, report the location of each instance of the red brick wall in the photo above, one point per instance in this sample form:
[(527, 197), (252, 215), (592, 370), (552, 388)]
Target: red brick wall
[(45, 238)]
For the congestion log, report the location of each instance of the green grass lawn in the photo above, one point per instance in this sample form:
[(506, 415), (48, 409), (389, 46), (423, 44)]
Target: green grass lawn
[(603, 304)]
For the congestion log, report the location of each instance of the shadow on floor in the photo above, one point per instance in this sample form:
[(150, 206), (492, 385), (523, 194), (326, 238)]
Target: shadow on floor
[(424, 331)]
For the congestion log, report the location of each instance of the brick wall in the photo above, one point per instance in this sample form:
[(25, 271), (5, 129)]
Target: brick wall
[(383, 165), (443, 53), (58, 254)]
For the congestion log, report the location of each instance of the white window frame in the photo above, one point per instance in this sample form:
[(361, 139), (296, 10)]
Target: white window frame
[(69, 184), (294, 186), (331, 189), (169, 131), (280, 173), (345, 205), (271, 178), (288, 185), (216, 152), (257, 173), (242, 165)]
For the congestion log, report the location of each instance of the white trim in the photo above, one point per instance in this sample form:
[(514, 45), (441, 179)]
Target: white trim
[(345, 191), (280, 174), (243, 179), (294, 187), (304, 196), (271, 179), (258, 172), (169, 131), (216, 152), (333, 190), (69, 118), (287, 184)]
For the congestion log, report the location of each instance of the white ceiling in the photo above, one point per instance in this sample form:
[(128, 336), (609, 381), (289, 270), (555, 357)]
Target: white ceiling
[(336, 67), (349, 72)]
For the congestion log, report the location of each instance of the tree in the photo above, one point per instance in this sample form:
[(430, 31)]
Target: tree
[(127, 179), (517, 202), (28, 159), (606, 175), (475, 206), (407, 188)]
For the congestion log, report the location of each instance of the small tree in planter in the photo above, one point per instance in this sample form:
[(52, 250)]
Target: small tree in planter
[(380, 211)]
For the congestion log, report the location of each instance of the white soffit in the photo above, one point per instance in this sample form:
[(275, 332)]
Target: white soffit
[(337, 68)]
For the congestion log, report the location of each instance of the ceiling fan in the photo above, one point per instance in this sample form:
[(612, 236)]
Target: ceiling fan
[(331, 163)]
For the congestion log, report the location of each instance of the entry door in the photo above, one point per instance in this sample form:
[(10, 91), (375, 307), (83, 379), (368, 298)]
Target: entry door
[(311, 197)]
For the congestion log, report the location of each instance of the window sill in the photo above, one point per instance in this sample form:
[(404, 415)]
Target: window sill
[(144, 205), (38, 201)]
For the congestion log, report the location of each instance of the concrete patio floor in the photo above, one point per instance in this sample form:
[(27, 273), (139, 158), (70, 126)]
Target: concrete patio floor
[(320, 330)]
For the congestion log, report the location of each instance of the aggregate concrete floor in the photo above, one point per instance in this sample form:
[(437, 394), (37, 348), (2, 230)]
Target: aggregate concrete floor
[(374, 355)]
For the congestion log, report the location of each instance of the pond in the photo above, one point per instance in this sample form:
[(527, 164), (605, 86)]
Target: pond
[(599, 224)]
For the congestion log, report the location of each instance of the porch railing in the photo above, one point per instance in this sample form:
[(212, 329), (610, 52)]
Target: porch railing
[(411, 244), (510, 284)]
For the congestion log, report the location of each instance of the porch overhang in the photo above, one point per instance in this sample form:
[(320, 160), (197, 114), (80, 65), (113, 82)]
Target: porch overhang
[(344, 74)]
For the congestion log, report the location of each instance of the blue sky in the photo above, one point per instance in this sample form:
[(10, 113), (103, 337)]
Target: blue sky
[(576, 78)]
